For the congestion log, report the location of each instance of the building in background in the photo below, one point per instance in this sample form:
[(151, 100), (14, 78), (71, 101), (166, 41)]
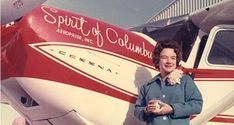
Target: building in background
[(182, 7)]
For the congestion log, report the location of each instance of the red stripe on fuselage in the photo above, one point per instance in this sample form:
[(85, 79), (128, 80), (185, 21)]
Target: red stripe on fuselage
[(221, 118), (210, 73)]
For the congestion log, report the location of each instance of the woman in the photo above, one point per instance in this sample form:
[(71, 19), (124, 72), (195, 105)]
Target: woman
[(171, 96)]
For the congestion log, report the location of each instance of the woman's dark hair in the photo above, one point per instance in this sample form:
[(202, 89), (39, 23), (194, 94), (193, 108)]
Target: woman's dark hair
[(166, 44)]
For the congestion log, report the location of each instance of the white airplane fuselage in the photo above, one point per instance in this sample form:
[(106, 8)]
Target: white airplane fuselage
[(63, 68)]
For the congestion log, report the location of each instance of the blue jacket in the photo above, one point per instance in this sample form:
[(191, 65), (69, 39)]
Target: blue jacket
[(185, 99)]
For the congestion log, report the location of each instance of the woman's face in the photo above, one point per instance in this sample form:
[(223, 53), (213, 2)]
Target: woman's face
[(167, 61)]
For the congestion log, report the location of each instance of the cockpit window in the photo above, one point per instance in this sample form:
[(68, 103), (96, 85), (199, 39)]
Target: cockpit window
[(222, 50)]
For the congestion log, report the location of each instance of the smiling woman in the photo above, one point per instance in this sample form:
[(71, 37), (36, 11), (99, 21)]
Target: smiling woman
[(170, 97)]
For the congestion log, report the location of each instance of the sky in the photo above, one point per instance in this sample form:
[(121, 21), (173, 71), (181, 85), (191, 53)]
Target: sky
[(122, 13)]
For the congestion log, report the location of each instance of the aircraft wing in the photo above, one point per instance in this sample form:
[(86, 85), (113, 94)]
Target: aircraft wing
[(220, 13)]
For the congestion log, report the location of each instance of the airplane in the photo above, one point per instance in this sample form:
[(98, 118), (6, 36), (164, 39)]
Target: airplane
[(59, 67)]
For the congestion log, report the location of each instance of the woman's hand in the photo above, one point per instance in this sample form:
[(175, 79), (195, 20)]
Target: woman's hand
[(158, 107), (165, 109), (153, 106)]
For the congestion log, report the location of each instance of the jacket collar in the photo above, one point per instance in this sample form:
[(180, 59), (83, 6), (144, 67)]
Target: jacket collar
[(156, 78)]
